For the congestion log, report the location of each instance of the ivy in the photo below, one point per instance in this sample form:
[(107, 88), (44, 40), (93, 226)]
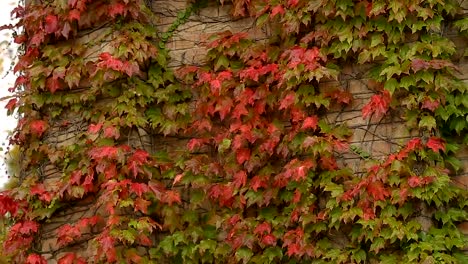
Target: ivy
[(246, 167)]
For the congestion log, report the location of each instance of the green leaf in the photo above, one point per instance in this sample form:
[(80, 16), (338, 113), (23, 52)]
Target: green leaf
[(428, 121), (377, 244), (273, 253), (391, 85), (268, 213), (207, 245), (222, 61), (224, 145), (244, 254), (261, 20)]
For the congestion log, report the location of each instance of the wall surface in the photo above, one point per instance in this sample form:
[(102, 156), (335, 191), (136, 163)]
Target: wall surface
[(378, 138)]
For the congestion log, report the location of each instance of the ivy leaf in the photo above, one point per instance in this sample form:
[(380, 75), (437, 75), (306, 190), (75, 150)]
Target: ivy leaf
[(38, 127), (67, 234), (243, 155), (287, 101), (94, 128), (100, 153), (378, 105), (436, 144), (74, 14), (111, 132), (277, 10), (106, 243), (310, 122), (171, 197), (51, 24), (10, 106), (430, 104), (428, 121), (293, 3), (142, 205), (35, 259), (240, 179), (378, 191), (67, 259), (269, 240), (244, 254), (117, 9), (263, 229), (139, 188)]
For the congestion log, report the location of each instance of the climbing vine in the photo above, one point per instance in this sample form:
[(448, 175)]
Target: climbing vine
[(254, 175)]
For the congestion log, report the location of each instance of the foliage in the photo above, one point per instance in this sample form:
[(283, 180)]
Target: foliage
[(258, 180)]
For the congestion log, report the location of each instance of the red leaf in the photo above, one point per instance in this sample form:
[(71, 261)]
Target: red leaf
[(436, 144), (142, 205), (297, 196), (99, 153), (94, 128), (243, 155), (277, 10), (7, 205), (430, 104), (293, 3), (269, 240), (342, 97), (177, 179), (108, 62), (139, 188), (328, 163), (67, 259), (10, 106), (240, 179), (368, 213), (111, 171), (144, 240), (377, 191), (20, 39), (414, 143), (310, 122), (39, 190), (117, 9), (215, 87), (258, 182), (111, 132), (38, 127), (196, 143), (28, 227), (287, 101), (74, 14), (138, 159), (378, 105), (171, 197), (67, 234), (414, 181), (36, 259), (239, 111), (223, 193), (51, 24), (133, 256), (294, 249), (107, 245), (262, 229), (53, 84)]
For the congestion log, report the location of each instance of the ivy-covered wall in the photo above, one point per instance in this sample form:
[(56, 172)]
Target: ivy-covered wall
[(244, 131)]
